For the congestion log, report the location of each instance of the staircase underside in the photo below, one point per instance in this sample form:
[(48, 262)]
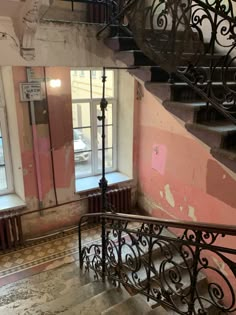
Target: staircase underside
[(199, 117)]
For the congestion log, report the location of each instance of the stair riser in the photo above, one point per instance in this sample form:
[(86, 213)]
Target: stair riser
[(188, 116), (186, 93), (121, 43), (212, 139), (208, 114)]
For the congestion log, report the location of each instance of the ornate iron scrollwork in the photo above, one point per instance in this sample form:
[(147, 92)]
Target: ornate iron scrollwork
[(190, 274), (194, 38)]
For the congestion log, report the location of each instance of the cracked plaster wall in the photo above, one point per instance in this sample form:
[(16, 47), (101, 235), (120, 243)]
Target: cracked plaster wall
[(182, 182), (58, 112)]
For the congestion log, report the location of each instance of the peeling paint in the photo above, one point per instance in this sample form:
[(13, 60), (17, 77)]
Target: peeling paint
[(191, 213), (169, 196), (221, 266), (161, 194), (181, 209)]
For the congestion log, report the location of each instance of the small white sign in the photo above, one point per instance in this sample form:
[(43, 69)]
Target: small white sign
[(30, 92)]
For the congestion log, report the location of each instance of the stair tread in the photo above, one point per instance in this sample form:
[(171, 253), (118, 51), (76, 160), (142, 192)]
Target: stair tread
[(158, 311), (229, 154), (135, 305), (223, 127), (99, 303), (73, 297), (186, 105)]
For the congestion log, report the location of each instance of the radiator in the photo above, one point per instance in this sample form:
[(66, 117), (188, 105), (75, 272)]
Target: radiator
[(118, 200), (10, 232)]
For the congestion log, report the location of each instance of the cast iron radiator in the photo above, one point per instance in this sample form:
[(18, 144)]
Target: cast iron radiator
[(118, 200), (10, 231)]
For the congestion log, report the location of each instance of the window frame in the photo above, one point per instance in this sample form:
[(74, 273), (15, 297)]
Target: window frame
[(93, 102), (7, 153)]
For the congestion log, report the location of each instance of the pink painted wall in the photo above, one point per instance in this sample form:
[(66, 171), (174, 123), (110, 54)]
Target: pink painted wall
[(59, 122), (177, 176)]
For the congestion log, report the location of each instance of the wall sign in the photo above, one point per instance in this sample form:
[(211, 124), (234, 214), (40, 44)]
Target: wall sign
[(30, 92)]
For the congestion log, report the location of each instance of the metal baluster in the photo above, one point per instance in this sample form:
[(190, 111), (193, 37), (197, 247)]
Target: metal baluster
[(194, 273)]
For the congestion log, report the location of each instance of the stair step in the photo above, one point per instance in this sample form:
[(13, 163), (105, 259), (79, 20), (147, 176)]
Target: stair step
[(186, 111), (135, 305), (72, 298), (213, 134), (119, 43), (49, 286), (226, 157), (138, 58), (99, 303), (158, 311)]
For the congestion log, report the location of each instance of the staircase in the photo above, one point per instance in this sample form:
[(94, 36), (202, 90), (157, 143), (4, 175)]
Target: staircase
[(180, 99), (66, 290)]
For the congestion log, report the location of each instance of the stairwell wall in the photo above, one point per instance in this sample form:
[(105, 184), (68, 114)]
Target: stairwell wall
[(177, 176)]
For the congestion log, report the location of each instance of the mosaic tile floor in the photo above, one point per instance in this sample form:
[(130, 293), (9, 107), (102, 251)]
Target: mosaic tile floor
[(43, 256)]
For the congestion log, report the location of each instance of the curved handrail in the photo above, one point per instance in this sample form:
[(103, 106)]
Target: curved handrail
[(201, 226)]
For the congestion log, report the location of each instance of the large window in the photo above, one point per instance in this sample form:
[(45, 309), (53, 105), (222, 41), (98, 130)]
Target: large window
[(86, 95), (5, 164)]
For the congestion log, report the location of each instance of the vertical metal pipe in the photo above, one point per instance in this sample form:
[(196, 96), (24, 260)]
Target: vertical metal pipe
[(35, 147), (103, 181), (80, 246)]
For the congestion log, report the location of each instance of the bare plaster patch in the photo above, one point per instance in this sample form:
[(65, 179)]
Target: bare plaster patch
[(191, 213), (169, 196), (161, 194), (221, 266)]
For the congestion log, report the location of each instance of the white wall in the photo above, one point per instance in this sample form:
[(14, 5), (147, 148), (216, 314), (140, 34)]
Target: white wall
[(57, 44)]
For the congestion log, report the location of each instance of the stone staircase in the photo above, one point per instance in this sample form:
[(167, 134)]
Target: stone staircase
[(68, 290), (203, 121)]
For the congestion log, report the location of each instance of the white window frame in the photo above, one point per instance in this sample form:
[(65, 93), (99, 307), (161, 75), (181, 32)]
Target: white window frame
[(6, 152), (94, 124)]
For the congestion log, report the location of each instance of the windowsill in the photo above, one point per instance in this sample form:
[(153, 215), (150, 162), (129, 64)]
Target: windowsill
[(89, 183), (11, 202)]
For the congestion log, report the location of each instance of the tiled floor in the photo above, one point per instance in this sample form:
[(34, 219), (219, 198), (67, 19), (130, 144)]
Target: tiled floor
[(43, 256)]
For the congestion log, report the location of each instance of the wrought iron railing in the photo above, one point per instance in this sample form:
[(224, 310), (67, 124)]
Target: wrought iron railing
[(194, 39), (186, 267)]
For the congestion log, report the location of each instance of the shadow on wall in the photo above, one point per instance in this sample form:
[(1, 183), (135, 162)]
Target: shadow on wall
[(217, 180)]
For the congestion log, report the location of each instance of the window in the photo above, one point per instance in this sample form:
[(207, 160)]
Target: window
[(6, 185), (86, 97)]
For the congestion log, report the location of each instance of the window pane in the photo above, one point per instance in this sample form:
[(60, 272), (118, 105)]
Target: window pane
[(108, 114), (97, 83), (108, 159), (3, 178), (82, 139), (108, 138), (81, 115), (80, 84), (83, 164)]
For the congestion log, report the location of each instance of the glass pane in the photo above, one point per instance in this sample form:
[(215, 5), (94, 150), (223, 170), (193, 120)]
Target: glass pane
[(3, 178), (1, 152), (80, 84), (81, 115), (83, 164), (82, 139), (108, 114), (108, 138), (97, 83), (108, 159)]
